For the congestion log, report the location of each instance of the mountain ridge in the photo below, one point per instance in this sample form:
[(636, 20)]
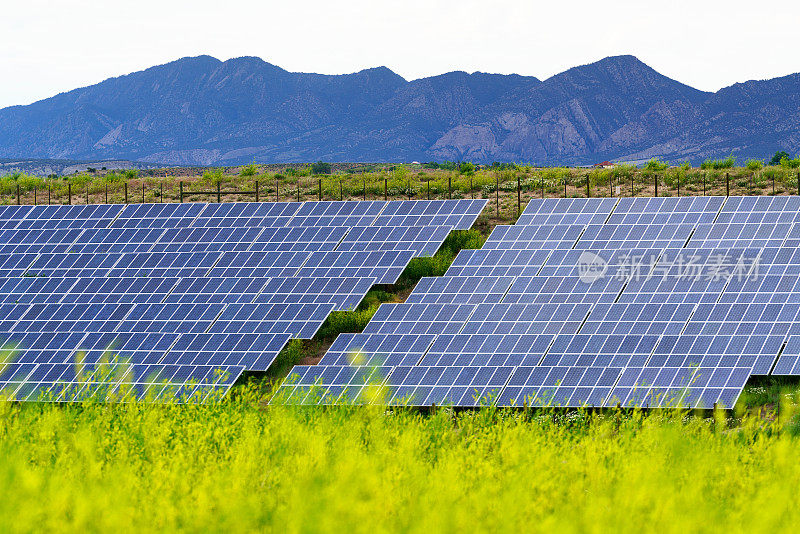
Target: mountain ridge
[(203, 111)]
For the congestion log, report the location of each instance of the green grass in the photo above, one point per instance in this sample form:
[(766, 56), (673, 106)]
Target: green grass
[(241, 467)]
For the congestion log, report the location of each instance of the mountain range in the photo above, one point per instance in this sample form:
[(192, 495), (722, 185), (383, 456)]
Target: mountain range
[(203, 111)]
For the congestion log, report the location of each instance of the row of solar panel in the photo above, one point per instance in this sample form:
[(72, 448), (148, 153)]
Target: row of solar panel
[(251, 350), (237, 318), (423, 240), (603, 386), (698, 320), (459, 214)]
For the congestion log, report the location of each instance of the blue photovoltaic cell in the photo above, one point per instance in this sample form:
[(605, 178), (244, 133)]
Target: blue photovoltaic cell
[(459, 214), (611, 236), (157, 215), (377, 349), (215, 290), (562, 236), (505, 318), (419, 318), (346, 213), (460, 289), (737, 235), (258, 264), (789, 361), (253, 351), (564, 289), (561, 386), (487, 350), (246, 214), (345, 293), (304, 238), (116, 382), (385, 265), (300, 320), (479, 262), (423, 240), (570, 211), (612, 350)]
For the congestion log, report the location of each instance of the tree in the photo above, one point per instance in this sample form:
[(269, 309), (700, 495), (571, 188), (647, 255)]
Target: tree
[(466, 168), (249, 170), (656, 165), (779, 155), (321, 167)]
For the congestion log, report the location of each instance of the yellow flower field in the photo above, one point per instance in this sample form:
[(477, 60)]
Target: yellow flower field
[(243, 466)]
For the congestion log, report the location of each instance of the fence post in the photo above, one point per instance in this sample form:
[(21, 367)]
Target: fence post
[(18, 199), (679, 183), (519, 198), (773, 183), (429, 188), (610, 188), (219, 192), (656, 183), (161, 194), (106, 193), (588, 191), (497, 195), (365, 189), (341, 190), (450, 187), (255, 190), (541, 178), (34, 196), (87, 193), (48, 195), (704, 183), (298, 189), (385, 189), (320, 189), (126, 192), (142, 192), (471, 189), (181, 184), (565, 187), (798, 183), (727, 184), (69, 194)]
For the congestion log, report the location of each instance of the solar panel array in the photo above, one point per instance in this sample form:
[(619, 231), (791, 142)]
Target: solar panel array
[(650, 302), (178, 300)]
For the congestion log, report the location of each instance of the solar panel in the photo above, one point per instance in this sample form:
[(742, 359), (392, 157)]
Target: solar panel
[(733, 235), (422, 240), (460, 289), (300, 320), (157, 215), (419, 318), (562, 236), (569, 211), (385, 266), (345, 293), (347, 213), (253, 351), (567, 387), (459, 214), (53, 382), (613, 236), (506, 318), (377, 349)]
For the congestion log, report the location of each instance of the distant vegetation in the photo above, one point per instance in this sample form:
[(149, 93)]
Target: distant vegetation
[(498, 182)]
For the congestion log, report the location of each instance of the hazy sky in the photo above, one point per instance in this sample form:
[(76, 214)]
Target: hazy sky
[(51, 46)]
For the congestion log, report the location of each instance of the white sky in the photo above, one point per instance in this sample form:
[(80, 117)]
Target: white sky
[(51, 46)]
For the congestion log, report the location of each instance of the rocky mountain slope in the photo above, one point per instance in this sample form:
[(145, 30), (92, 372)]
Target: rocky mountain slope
[(202, 111)]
